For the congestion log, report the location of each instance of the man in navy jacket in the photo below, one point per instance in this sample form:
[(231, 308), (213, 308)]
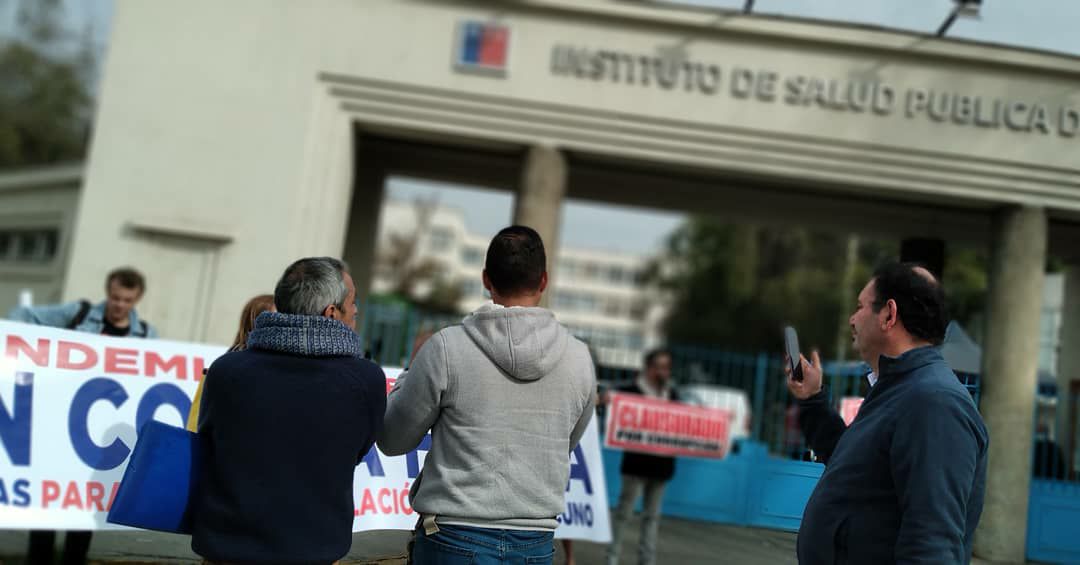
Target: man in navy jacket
[(904, 483), (284, 424)]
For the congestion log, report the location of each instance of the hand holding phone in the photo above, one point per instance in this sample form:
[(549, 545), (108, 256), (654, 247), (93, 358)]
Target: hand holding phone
[(791, 348), (804, 375)]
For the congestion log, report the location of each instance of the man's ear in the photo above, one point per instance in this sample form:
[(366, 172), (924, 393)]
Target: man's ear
[(892, 317), (328, 312), (543, 282)]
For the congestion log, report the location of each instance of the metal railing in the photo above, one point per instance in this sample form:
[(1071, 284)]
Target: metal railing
[(388, 330), (1055, 452)]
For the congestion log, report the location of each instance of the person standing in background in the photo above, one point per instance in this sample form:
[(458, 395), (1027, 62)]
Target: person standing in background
[(644, 473), (115, 316)]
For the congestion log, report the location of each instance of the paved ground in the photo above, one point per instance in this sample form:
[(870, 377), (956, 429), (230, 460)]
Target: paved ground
[(682, 542)]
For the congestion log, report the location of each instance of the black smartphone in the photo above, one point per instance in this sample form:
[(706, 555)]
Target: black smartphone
[(791, 346)]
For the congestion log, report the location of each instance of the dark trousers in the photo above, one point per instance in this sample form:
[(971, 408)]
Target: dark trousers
[(40, 551)]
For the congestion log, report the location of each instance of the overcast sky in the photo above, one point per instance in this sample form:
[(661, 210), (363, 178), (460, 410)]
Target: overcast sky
[(1042, 24)]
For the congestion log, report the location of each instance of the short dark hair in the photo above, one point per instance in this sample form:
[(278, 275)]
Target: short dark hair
[(920, 302), (127, 278), (516, 261), (311, 284), (652, 354)]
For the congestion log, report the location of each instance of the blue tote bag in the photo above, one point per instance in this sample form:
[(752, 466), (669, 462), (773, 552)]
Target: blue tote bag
[(160, 480)]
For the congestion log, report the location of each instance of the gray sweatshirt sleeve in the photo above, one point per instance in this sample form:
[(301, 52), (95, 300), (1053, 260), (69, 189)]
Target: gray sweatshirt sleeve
[(589, 409), (414, 403), (583, 421)]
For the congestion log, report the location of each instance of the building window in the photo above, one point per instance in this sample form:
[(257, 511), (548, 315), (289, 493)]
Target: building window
[(1048, 341), (473, 289), (584, 334), (473, 256), (592, 271), (567, 268), (575, 301), (29, 245), (440, 240)]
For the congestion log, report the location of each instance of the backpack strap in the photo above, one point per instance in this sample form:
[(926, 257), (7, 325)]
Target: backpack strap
[(84, 309)]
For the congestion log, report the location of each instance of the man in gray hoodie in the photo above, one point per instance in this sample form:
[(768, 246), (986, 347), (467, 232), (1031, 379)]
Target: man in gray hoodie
[(507, 395)]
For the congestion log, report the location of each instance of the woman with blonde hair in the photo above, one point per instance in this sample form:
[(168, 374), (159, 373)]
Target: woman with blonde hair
[(254, 307)]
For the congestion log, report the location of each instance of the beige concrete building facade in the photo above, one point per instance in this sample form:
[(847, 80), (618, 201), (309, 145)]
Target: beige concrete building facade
[(232, 138), (37, 218)]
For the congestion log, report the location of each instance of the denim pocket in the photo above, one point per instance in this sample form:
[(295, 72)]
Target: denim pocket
[(431, 551), (541, 559)]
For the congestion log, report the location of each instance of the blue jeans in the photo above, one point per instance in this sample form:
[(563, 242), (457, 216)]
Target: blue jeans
[(461, 545)]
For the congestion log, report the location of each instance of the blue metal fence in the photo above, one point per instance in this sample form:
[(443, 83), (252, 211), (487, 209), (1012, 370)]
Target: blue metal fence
[(388, 330)]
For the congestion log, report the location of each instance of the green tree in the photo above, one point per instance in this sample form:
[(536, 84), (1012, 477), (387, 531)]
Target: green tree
[(736, 286), (45, 104), (401, 262), (966, 281)]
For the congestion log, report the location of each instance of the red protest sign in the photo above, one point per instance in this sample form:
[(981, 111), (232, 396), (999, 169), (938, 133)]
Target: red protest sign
[(659, 427)]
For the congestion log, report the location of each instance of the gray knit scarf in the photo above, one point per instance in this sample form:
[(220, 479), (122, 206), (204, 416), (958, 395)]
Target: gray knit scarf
[(307, 336)]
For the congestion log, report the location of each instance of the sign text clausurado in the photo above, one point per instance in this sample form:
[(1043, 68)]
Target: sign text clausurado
[(660, 427)]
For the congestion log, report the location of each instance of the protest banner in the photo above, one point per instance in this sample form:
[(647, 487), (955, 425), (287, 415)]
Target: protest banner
[(71, 404), (660, 427)]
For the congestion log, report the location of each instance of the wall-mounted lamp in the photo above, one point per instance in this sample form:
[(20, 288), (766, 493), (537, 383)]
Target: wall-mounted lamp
[(965, 8)]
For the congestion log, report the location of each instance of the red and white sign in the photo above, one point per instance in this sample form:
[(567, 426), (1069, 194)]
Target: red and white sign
[(660, 427), (849, 408)]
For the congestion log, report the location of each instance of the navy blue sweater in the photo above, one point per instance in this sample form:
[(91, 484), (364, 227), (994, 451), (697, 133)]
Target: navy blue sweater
[(906, 481), (283, 435)]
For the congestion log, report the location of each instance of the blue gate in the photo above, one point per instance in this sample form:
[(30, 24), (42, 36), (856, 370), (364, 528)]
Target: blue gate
[(1054, 505), (747, 488), (1054, 521)]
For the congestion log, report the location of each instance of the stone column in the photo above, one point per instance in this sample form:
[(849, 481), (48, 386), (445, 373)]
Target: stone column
[(538, 202), (1068, 369), (1009, 367), (361, 236)]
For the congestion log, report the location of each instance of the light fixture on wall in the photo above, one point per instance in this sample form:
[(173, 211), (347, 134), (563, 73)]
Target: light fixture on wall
[(965, 8)]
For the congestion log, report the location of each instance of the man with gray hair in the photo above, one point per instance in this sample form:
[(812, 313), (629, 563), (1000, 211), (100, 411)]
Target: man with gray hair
[(284, 423)]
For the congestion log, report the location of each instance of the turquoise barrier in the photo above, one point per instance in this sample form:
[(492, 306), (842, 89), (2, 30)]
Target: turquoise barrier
[(748, 487)]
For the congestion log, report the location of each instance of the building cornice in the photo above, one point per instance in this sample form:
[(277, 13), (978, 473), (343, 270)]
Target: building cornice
[(63, 174)]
